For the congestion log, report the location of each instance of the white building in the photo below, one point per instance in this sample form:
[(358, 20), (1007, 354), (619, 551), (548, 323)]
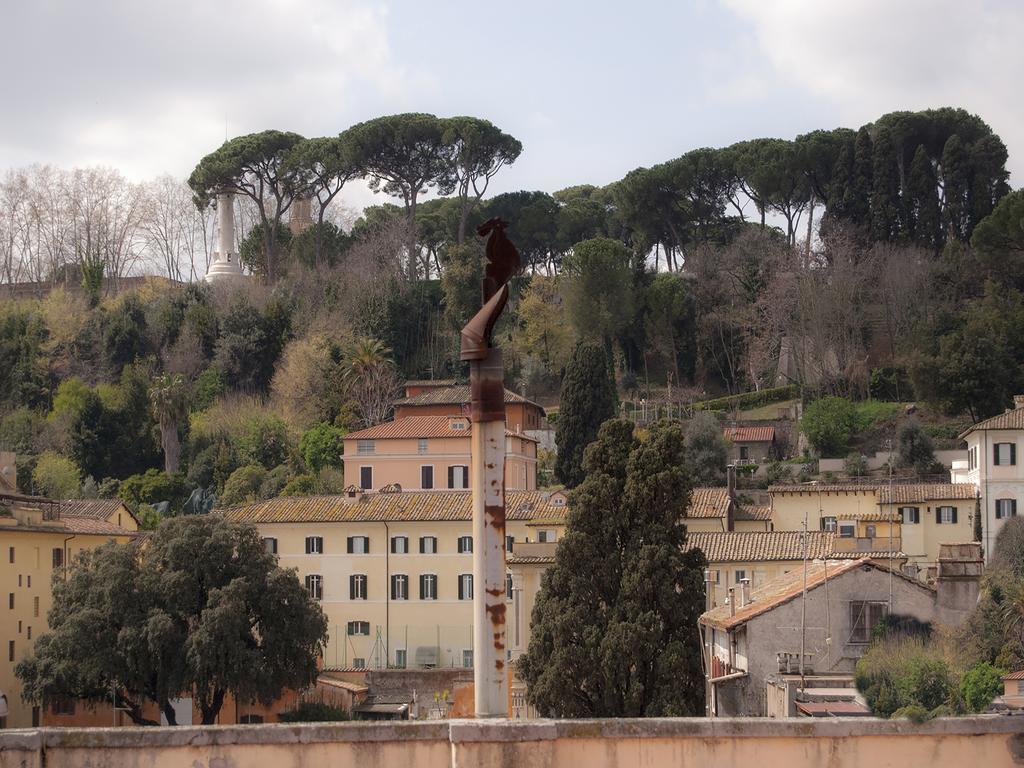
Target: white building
[(993, 467)]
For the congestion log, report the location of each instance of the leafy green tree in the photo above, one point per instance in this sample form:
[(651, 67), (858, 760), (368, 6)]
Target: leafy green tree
[(671, 319), (999, 240), (265, 442), (403, 156), (924, 215), (300, 485), (588, 400), (125, 337), (979, 685), (915, 448), (857, 197), (598, 285), (533, 225), (478, 150), (243, 486), (1008, 550), (613, 626), (169, 395), (885, 195), (322, 446), (544, 332), (251, 342), (706, 449), (252, 251), (460, 283), (254, 166), (830, 424), (56, 476), (326, 166), (956, 188), (856, 464), (202, 608), (23, 375), (153, 487)]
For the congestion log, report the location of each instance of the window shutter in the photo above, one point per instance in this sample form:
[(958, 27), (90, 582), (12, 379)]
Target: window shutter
[(465, 477), (462, 596), (422, 585), (352, 587), (393, 584), (394, 547), (954, 511), (308, 545), (348, 545), (938, 515), (423, 546), (451, 477), (366, 545), (1013, 454), (995, 453)]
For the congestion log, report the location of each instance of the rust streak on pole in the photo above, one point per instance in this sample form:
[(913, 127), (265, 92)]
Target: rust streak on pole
[(487, 404)]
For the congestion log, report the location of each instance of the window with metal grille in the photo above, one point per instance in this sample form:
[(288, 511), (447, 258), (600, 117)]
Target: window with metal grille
[(366, 447), (847, 530), (421, 445), (428, 586), (828, 524), (400, 658), (357, 586), (399, 587), (467, 658), (864, 617)]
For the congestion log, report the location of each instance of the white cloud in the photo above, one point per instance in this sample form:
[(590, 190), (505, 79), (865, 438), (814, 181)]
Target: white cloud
[(875, 56)]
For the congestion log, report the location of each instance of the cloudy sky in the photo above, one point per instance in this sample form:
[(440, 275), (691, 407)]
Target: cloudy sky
[(592, 88)]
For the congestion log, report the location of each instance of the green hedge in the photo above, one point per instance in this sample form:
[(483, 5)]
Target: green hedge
[(748, 400)]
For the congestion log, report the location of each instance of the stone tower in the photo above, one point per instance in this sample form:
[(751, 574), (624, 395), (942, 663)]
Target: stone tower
[(225, 265)]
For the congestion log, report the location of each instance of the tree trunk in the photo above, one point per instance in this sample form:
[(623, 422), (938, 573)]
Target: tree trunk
[(169, 714), (210, 711), (411, 244), (171, 445)]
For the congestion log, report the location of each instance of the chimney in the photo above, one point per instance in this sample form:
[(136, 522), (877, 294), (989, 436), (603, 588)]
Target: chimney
[(958, 583), (730, 490), (732, 601), (744, 592), (1018, 401)]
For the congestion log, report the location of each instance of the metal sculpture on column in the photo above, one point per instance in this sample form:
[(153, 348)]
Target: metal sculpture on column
[(487, 404)]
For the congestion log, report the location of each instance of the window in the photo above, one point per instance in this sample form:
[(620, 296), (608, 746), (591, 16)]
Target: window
[(910, 515), (1006, 508), (251, 719), (718, 577), (10, 601), (946, 515), (428, 586), (508, 586), (400, 658), (365, 447), (739, 576), (357, 585), (828, 524), (314, 545), (10, 650), (1020, 686), (29, 631), (28, 581), (58, 557), (972, 458), (864, 617), (358, 545), (1004, 454), (270, 545), (421, 445), (35, 607), (356, 628), (63, 705), (457, 424), (366, 478), (10, 554), (847, 530), (426, 477), (399, 587), (399, 545), (467, 658), (458, 476), (545, 537), (358, 663), (428, 545), (510, 543), (465, 544), (465, 586), (870, 531), (744, 453), (315, 586)]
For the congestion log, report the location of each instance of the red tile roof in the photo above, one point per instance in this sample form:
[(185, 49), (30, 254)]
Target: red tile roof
[(96, 509), (456, 395), (758, 546), (87, 525), (902, 494), (708, 502), (1019, 675), (1011, 419), (749, 434), (422, 427)]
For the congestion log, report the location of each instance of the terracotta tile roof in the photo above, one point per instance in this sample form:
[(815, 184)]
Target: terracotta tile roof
[(823, 488), (96, 509), (515, 559), (414, 427), (708, 502), (326, 678), (88, 525), (749, 434), (903, 494), (758, 546), (868, 516), (456, 395), (878, 554), (789, 587), (408, 506), (1019, 675), (431, 383), (754, 512), (1012, 419)]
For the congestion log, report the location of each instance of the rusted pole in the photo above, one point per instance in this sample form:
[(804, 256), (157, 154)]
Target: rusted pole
[(487, 412)]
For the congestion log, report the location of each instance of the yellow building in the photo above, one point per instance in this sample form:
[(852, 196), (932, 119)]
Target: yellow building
[(931, 514), (38, 538), (429, 453), (393, 571)]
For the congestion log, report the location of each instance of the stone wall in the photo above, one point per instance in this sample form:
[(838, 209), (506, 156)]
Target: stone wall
[(992, 741)]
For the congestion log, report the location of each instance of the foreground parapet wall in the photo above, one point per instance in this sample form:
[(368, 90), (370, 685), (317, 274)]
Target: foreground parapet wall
[(991, 741)]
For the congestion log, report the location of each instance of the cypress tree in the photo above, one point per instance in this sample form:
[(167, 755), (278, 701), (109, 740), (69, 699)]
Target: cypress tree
[(588, 399), (614, 627), (857, 202), (955, 187), (924, 218), (885, 194), (839, 188)]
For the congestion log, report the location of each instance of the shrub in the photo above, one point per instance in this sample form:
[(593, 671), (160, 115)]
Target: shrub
[(322, 446), (830, 424), (778, 472), (243, 486), (915, 448), (890, 383), (856, 465), (915, 713), (899, 671), (748, 400), (313, 712), (209, 386), (265, 442), (277, 479), (152, 487), (300, 485), (979, 685)]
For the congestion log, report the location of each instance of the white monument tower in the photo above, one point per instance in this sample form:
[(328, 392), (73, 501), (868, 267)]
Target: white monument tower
[(224, 265)]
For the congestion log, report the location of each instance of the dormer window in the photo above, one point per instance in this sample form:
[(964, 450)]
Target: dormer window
[(458, 424)]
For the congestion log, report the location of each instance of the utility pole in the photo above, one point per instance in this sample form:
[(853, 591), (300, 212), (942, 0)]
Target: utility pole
[(487, 412)]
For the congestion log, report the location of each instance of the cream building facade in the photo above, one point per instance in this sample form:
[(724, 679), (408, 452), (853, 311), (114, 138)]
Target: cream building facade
[(393, 571), (420, 453), (38, 539)]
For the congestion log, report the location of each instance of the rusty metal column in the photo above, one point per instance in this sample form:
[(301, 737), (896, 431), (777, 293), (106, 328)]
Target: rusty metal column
[(490, 673), (487, 411)]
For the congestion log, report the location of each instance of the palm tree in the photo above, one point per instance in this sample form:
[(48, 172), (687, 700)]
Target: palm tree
[(371, 379), (169, 398)]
